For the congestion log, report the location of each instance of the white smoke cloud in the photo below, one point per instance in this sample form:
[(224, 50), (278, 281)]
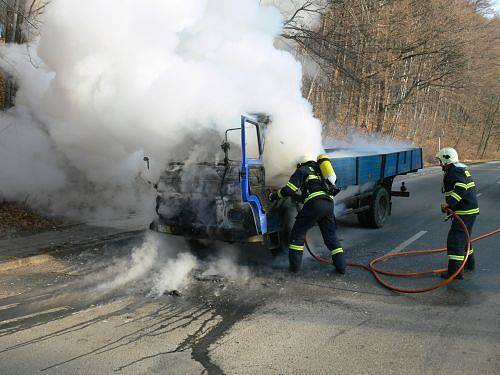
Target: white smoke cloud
[(304, 12), (28, 162), (356, 144), (119, 79), (125, 271), (158, 266), (226, 264), (174, 274), (154, 265)]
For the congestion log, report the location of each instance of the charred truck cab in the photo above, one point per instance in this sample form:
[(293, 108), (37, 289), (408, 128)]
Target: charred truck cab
[(227, 200), (224, 200)]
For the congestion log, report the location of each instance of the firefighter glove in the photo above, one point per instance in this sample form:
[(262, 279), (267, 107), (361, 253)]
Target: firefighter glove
[(335, 190), (273, 196), (444, 206)]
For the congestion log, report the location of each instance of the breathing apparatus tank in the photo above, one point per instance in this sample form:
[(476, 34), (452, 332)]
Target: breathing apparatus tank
[(325, 166)]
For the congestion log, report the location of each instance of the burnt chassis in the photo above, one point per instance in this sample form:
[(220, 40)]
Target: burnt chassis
[(217, 213), (231, 204)]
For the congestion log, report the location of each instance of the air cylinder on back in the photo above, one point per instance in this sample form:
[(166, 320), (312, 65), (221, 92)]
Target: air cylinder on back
[(326, 168)]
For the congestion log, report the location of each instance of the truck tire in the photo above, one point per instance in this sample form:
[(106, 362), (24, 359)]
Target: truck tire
[(380, 209)]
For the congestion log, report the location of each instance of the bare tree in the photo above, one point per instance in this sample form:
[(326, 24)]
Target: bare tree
[(406, 68)]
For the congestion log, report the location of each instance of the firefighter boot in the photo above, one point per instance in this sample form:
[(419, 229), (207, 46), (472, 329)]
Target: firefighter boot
[(295, 258), (453, 266), (471, 262), (339, 262)]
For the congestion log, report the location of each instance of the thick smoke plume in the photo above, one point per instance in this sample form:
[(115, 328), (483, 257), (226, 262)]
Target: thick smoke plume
[(108, 82), (142, 260), (175, 273), (355, 144), (157, 266)]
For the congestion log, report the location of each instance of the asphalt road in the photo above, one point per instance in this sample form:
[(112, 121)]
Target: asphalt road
[(58, 319)]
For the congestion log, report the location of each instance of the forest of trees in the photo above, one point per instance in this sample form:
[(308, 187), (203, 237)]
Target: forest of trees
[(426, 71), (19, 21)]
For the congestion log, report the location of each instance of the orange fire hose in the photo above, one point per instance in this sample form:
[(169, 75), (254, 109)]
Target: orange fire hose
[(377, 272)]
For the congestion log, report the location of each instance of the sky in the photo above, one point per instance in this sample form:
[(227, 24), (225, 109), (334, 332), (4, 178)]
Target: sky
[(496, 5)]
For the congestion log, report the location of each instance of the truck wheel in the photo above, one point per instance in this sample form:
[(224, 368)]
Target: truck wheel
[(380, 209)]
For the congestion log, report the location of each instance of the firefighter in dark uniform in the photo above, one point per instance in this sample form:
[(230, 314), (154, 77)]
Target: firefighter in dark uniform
[(460, 193), (317, 196)]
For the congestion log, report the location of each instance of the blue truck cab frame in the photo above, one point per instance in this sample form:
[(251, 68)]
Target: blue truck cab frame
[(253, 200)]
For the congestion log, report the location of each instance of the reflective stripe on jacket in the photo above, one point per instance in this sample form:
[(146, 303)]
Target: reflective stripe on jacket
[(306, 178), (460, 190)]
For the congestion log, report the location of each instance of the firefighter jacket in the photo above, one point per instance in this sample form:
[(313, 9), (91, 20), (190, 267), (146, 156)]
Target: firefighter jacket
[(306, 178), (460, 190)]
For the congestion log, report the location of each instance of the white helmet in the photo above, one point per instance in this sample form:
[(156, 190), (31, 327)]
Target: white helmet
[(305, 158), (447, 156)]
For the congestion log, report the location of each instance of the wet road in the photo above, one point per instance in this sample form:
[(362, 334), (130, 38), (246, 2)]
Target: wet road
[(72, 316)]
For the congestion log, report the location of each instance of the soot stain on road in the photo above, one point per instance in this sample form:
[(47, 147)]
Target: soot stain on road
[(217, 312), (230, 316), (162, 320), (219, 316)]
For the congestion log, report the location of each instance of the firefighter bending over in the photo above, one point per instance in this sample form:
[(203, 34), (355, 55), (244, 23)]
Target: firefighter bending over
[(317, 189), (460, 193)]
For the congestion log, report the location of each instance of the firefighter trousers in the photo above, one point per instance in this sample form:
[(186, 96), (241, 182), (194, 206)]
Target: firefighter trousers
[(457, 243), (321, 211)]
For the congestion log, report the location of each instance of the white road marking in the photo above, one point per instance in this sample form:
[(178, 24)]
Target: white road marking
[(409, 241), (479, 194)]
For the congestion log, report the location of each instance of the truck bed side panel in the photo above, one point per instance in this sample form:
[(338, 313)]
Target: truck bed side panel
[(346, 171), (369, 168), (391, 164), (417, 160), (357, 170), (404, 164)]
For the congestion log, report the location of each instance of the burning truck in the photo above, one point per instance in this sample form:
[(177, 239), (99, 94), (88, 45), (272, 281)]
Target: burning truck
[(227, 200)]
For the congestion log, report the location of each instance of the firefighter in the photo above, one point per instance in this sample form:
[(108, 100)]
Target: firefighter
[(460, 193), (317, 196)]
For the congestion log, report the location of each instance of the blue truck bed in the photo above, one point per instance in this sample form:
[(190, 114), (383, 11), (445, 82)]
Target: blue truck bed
[(358, 170)]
